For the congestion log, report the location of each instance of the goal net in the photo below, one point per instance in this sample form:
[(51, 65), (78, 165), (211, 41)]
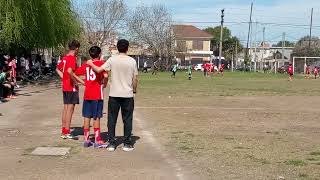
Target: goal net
[(300, 63)]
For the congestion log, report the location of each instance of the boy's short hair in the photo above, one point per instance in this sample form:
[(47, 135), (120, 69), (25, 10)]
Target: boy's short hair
[(94, 52), (123, 46), (74, 44)]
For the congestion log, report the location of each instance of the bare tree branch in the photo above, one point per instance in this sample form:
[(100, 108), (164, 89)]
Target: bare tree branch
[(151, 26), (101, 18)]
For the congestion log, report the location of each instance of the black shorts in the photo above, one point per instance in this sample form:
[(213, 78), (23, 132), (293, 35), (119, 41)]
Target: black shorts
[(70, 97)]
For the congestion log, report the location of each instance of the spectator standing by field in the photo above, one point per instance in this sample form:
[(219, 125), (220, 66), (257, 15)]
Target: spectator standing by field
[(154, 68), (13, 70), (124, 81), (145, 67)]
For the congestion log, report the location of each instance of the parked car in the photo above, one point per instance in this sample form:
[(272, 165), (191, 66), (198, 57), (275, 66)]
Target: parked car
[(198, 67)]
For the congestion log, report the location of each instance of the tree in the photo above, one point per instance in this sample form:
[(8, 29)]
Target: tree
[(36, 23), (100, 18), (302, 47), (229, 41), (286, 44), (151, 26)]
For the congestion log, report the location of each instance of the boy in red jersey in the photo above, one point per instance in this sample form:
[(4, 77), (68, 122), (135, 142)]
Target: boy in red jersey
[(290, 72), (93, 97), (307, 72), (221, 70), (70, 89), (315, 72), (211, 69)]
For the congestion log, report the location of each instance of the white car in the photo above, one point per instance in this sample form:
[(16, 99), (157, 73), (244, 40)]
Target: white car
[(198, 67)]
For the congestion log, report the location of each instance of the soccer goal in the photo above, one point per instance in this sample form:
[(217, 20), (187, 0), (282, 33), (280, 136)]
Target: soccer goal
[(300, 63)]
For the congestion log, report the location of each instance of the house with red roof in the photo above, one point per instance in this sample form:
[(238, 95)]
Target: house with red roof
[(192, 45)]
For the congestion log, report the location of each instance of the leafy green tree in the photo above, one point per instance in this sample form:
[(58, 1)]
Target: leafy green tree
[(36, 23), (229, 41), (302, 47), (286, 43)]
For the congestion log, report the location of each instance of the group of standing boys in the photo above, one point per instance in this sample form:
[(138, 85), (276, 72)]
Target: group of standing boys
[(123, 73), (307, 72), (315, 72), (209, 68)]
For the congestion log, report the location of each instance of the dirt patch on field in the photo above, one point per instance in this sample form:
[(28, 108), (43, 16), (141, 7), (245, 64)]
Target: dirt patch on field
[(240, 137)]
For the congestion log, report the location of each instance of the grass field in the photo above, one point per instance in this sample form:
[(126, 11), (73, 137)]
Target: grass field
[(240, 126)]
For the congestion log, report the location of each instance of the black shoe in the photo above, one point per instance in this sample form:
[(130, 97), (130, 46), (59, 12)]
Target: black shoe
[(111, 147), (127, 148)]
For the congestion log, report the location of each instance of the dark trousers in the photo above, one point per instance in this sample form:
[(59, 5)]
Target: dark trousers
[(1, 91), (145, 70), (126, 105)]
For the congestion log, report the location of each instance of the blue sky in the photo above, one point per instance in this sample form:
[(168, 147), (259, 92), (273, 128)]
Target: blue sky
[(288, 13)]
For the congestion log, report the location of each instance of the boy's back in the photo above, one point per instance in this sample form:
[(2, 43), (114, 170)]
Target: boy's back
[(93, 81), (66, 62)]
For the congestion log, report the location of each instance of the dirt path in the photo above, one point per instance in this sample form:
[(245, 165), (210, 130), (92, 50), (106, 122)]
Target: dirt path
[(33, 120)]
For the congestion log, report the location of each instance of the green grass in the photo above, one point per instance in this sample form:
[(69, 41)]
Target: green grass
[(232, 84), (211, 138), (316, 153), (295, 162)]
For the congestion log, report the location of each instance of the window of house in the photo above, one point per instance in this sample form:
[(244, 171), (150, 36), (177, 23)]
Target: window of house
[(197, 45), (181, 46)]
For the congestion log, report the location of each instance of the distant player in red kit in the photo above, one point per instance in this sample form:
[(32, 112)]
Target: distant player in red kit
[(307, 72), (315, 72), (221, 70), (204, 69), (70, 88), (211, 69), (290, 72), (93, 98)]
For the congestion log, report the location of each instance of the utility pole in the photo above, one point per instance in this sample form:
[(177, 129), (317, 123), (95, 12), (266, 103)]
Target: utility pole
[(283, 44), (221, 36), (263, 46), (310, 36), (232, 59), (236, 53), (255, 48), (250, 22)]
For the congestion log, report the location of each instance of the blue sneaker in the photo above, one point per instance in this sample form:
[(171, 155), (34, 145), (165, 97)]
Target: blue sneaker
[(87, 144), (101, 144)]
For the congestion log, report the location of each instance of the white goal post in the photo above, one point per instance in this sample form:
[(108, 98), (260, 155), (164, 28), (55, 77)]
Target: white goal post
[(305, 62)]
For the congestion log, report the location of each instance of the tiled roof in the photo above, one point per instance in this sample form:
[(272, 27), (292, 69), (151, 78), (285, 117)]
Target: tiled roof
[(189, 31)]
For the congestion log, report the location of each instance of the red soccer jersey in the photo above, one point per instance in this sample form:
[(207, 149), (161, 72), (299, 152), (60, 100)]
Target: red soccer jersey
[(93, 81), (66, 63), (315, 71), (290, 70), (222, 67), (207, 65), (308, 70), (13, 66)]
